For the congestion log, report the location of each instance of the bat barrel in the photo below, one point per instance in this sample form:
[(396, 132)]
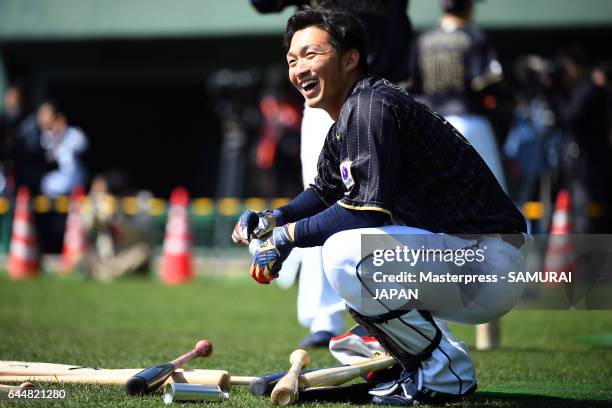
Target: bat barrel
[(148, 380)]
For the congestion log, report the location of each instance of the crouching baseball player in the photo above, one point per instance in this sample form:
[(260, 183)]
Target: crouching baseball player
[(389, 166)]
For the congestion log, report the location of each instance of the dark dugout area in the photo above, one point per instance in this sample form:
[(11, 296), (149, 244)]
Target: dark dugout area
[(148, 108)]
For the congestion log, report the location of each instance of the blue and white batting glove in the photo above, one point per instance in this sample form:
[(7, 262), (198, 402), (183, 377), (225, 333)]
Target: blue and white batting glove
[(252, 224), (269, 257)]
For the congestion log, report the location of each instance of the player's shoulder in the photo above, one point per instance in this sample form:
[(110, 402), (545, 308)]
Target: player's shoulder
[(377, 90), (431, 32), (476, 34), (447, 35)]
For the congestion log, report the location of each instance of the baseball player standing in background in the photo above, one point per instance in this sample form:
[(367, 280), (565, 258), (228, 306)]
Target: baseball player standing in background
[(454, 67), (389, 165), (389, 32)]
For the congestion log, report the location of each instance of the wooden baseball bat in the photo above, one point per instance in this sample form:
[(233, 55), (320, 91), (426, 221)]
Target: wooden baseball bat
[(341, 375), (121, 376), (285, 391), (263, 385), (27, 368), (15, 388), (149, 379), (34, 371), (35, 367)]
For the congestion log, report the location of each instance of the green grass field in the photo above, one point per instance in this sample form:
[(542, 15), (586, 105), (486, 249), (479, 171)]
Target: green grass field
[(548, 359)]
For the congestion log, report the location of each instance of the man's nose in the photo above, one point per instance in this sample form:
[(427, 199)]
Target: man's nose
[(302, 67)]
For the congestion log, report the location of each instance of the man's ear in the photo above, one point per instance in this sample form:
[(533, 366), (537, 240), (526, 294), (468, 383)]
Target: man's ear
[(350, 60)]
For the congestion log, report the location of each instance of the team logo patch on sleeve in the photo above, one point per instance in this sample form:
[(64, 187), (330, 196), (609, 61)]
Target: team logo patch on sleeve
[(345, 172)]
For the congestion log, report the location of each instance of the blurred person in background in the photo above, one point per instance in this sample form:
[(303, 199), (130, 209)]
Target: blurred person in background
[(531, 147), (456, 70), (278, 149), (389, 32), (64, 146), (119, 244), (21, 155), (586, 155)]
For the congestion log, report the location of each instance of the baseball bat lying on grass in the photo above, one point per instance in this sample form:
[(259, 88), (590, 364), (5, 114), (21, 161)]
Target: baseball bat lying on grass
[(121, 376), (343, 374), (337, 376), (149, 379), (38, 368), (19, 371), (8, 388), (285, 391), (34, 369), (263, 386)]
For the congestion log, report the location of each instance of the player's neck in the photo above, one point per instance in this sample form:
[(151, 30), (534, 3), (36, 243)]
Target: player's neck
[(349, 84), (454, 21)]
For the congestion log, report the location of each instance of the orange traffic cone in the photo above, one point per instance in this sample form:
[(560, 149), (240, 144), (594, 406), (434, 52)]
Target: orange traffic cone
[(560, 250), (23, 261), (177, 265), (75, 242)]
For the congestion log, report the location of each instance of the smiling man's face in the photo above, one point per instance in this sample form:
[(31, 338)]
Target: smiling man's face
[(316, 69)]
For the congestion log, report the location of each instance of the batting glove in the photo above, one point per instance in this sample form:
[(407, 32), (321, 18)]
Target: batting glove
[(251, 225), (269, 257)]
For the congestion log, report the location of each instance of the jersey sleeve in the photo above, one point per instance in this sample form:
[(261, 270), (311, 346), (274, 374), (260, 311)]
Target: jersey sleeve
[(483, 68), (328, 182), (370, 154)]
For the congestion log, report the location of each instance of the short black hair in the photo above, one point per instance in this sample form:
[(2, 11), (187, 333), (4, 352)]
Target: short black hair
[(455, 6), (344, 29)]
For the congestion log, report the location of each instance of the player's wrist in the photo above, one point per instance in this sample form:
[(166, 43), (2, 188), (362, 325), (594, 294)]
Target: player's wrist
[(279, 217), (281, 238), (282, 241), (291, 231)]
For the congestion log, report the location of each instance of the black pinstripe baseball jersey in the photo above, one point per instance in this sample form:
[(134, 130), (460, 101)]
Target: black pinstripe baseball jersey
[(390, 153)]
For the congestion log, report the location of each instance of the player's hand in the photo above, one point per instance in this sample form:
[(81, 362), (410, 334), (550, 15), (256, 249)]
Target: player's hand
[(269, 257), (265, 225), (244, 227), (251, 225)]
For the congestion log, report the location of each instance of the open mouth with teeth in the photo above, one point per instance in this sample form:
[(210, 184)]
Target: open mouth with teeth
[(309, 87)]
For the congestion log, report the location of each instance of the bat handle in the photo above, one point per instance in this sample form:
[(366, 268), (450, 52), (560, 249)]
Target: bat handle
[(285, 391), (202, 348)]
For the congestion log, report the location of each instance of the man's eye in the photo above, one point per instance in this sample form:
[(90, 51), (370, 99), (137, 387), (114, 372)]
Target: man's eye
[(291, 63), (311, 54)]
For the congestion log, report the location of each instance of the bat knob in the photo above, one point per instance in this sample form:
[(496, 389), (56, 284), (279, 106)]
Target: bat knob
[(284, 398), (26, 385), (259, 386), (203, 348), (135, 386)]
